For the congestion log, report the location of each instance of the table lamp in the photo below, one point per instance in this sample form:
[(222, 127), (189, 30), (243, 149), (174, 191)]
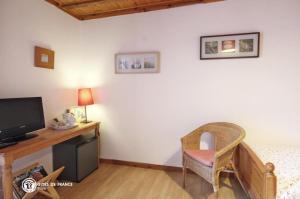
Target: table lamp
[(85, 98)]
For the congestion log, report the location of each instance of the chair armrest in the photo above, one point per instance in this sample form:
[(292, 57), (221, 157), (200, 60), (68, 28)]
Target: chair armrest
[(224, 155), (224, 150), (231, 145)]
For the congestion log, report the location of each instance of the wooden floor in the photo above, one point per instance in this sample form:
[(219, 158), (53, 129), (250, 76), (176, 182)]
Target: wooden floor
[(124, 182)]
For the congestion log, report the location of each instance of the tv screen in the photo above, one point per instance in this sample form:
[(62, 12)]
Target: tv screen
[(19, 116)]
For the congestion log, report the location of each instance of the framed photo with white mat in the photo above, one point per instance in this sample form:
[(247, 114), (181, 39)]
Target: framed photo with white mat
[(141, 62)]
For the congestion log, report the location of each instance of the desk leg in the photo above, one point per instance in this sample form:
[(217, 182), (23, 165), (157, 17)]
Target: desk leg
[(97, 134), (6, 168)]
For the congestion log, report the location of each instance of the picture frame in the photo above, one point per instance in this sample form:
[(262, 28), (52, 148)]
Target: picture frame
[(141, 62), (43, 58), (242, 45)]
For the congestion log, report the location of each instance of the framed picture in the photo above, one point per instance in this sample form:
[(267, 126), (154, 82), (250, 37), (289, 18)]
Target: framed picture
[(43, 58), (143, 62), (243, 45)]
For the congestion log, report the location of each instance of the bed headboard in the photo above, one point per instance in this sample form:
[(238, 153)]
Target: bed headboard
[(256, 178)]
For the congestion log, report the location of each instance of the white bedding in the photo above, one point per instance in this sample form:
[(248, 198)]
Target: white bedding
[(287, 168)]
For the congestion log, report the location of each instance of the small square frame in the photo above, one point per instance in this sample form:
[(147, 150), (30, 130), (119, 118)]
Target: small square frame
[(43, 58)]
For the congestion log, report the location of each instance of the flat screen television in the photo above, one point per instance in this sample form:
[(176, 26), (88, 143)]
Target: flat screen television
[(20, 116)]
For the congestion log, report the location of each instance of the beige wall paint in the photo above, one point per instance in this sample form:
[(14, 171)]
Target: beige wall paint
[(25, 24), (143, 116)]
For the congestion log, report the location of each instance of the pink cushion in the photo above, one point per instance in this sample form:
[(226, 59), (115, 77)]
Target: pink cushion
[(205, 157)]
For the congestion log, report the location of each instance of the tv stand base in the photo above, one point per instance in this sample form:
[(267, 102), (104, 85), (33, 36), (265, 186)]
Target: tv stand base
[(6, 144), (19, 138)]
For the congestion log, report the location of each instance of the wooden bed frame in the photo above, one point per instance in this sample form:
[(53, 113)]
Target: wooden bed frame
[(258, 180)]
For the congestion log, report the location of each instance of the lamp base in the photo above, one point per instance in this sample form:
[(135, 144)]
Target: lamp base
[(85, 121)]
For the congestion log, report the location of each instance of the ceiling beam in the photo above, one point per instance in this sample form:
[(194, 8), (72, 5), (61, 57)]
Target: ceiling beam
[(94, 2), (82, 4), (58, 4), (144, 8)]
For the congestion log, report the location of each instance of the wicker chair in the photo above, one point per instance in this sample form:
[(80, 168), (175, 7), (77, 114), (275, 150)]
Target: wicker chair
[(209, 163)]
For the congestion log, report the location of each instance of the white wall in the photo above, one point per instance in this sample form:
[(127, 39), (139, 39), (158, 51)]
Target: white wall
[(24, 24), (145, 115)]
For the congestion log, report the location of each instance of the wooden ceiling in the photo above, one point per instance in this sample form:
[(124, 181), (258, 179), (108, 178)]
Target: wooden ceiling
[(91, 9)]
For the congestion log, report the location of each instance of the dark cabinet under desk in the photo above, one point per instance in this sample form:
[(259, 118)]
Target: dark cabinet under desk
[(79, 156)]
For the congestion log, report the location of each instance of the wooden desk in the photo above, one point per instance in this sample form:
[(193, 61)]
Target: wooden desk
[(46, 138)]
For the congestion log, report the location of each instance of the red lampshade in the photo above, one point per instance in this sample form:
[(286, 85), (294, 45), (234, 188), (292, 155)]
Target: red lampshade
[(85, 97)]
